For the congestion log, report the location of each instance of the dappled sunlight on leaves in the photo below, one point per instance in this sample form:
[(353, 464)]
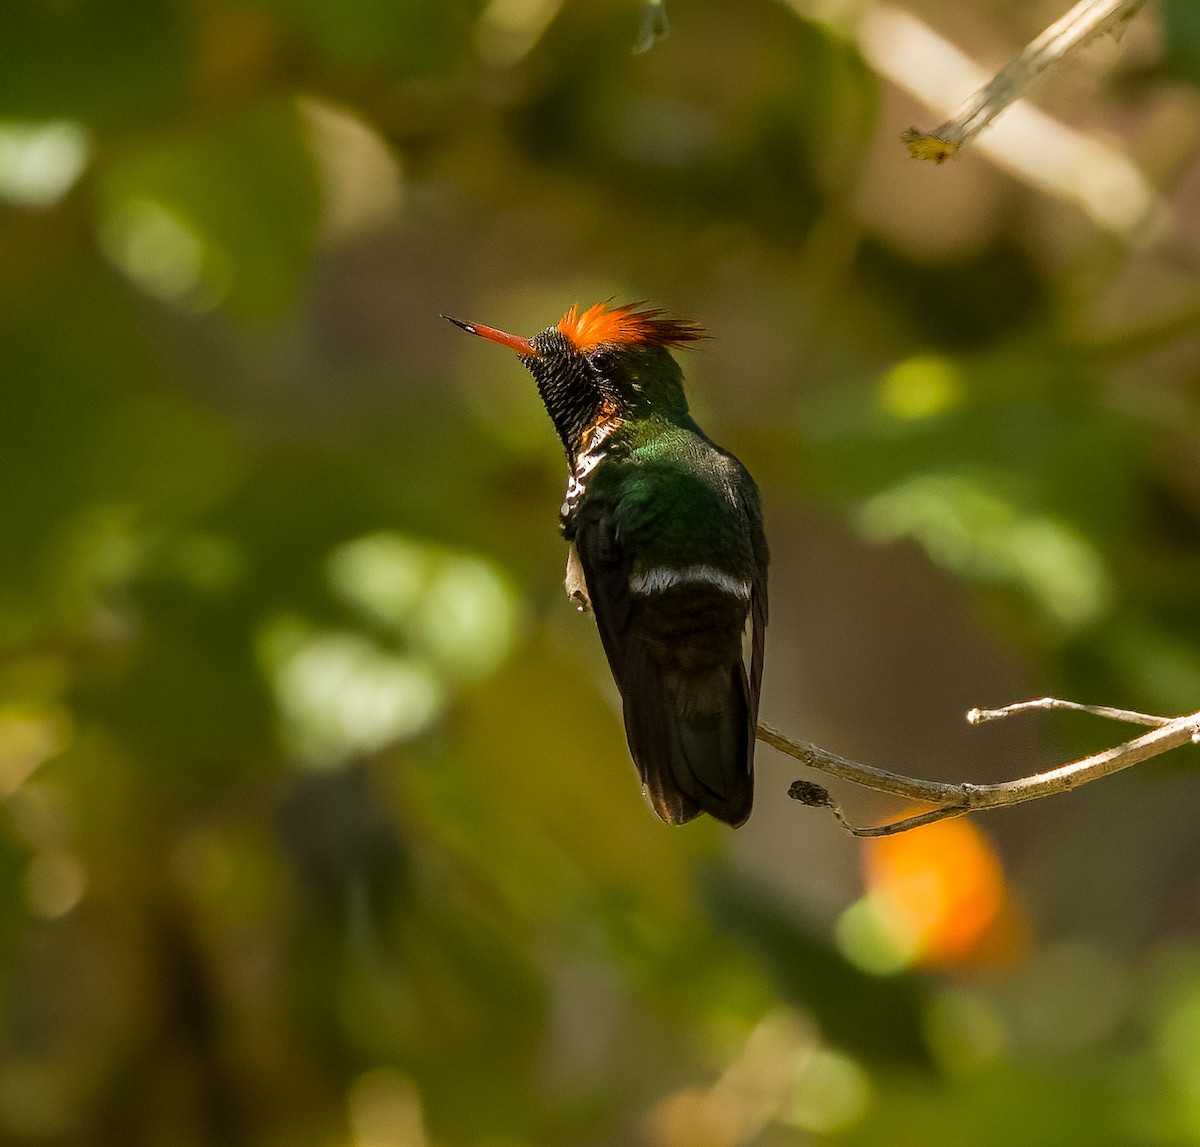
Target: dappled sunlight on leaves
[(164, 255), (782, 1075), (457, 608), (226, 215), (970, 530), (361, 176), (40, 162), (339, 694)]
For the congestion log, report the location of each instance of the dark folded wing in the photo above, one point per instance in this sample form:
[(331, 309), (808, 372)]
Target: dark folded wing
[(689, 706)]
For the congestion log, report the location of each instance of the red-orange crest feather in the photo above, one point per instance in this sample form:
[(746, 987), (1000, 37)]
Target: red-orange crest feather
[(626, 327)]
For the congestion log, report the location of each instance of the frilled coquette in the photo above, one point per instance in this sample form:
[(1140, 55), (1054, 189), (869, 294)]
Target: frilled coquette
[(667, 549)]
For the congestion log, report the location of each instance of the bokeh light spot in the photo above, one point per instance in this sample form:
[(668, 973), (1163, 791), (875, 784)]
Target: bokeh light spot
[(768, 1077), (508, 30), (385, 1110), (40, 162), (832, 1094), (54, 884), (343, 692), (936, 897), (920, 388), (456, 608), (468, 618), (964, 1031), (873, 937), (383, 575), (339, 694), (360, 175), (163, 254), (28, 738)]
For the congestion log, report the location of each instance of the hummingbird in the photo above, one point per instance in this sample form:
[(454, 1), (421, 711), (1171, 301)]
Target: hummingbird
[(666, 548)]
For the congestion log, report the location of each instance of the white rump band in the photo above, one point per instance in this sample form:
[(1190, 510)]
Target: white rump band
[(664, 577)]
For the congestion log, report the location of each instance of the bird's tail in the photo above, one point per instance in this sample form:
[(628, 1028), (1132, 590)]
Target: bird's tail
[(692, 738)]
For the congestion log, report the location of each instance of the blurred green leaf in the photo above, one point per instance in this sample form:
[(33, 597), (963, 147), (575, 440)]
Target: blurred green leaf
[(223, 216), (419, 36), (1002, 1106), (97, 62), (1181, 32)]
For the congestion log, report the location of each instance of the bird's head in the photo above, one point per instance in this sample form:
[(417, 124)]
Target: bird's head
[(600, 367)]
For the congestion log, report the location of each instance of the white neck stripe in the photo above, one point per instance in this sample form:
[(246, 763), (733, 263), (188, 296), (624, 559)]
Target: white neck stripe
[(664, 577)]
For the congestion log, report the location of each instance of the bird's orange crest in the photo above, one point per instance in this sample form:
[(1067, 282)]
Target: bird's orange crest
[(626, 326)]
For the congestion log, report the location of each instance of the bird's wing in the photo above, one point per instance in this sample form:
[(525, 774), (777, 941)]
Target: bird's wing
[(691, 733), (758, 597), (607, 569)]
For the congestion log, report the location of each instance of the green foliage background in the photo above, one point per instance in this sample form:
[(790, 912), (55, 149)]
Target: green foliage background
[(318, 825)]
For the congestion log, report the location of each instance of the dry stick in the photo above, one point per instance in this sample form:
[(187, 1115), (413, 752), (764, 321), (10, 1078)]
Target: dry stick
[(956, 799), (654, 26), (1088, 19), (982, 716)]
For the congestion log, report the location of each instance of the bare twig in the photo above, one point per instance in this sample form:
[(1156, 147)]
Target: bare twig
[(653, 28), (1084, 22), (817, 796), (982, 716), (1075, 166), (956, 799)]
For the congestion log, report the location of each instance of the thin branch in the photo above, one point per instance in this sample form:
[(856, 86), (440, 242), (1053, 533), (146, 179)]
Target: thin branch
[(982, 716), (1079, 167), (653, 27), (1084, 22), (956, 799), (932, 792), (817, 796)]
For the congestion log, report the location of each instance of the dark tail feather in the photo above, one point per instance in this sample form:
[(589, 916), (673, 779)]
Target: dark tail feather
[(693, 743)]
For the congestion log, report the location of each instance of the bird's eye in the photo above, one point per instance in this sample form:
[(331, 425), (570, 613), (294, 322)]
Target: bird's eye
[(603, 360)]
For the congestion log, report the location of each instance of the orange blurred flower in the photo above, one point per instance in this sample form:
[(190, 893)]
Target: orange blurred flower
[(943, 890)]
